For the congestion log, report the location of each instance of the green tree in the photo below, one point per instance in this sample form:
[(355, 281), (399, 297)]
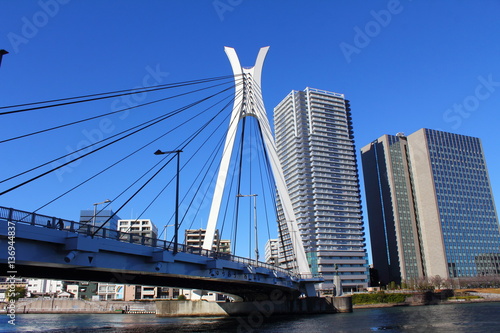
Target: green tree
[(404, 284), (181, 298), (17, 293)]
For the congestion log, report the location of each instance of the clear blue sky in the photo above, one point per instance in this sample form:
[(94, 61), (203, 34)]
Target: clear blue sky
[(404, 65)]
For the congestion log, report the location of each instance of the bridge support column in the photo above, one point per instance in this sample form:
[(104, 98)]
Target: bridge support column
[(264, 309), (309, 289)]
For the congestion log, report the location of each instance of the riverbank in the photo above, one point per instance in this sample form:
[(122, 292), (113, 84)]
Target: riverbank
[(67, 306), (438, 298), (390, 305), (176, 308), (56, 305)]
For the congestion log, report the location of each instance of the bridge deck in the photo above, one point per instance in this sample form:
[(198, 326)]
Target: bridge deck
[(48, 247)]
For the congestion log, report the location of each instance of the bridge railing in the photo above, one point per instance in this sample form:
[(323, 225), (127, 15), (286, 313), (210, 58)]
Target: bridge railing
[(227, 256), (86, 228)]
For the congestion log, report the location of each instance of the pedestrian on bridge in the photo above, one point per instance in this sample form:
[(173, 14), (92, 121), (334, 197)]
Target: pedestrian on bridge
[(60, 224)]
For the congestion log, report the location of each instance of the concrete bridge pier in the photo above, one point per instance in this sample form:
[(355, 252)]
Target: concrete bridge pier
[(267, 308), (342, 303)]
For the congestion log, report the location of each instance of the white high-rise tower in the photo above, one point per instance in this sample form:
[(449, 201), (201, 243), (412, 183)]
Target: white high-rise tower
[(315, 145)]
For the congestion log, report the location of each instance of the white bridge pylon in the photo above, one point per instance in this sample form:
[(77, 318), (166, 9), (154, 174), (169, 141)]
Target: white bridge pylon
[(248, 102)]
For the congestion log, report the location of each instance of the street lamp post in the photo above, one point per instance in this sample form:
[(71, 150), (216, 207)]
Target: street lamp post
[(176, 232), (254, 223), (165, 231), (95, 212)]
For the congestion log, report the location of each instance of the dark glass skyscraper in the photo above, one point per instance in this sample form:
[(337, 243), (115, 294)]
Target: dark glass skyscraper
[(430, 206)]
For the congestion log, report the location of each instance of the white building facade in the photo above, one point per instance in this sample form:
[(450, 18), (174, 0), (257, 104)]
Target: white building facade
[(196, 237), (142, 230), (44, 287), (315, 144), (272, 251), (110, 291)]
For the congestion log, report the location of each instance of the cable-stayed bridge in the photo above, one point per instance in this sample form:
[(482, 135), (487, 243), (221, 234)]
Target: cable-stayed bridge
[(53, 247)]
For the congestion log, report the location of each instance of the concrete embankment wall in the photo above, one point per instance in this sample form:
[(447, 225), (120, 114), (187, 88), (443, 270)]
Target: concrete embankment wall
[(54, 305), (342, 303), (187, 308), (487, 296), (267, 308)]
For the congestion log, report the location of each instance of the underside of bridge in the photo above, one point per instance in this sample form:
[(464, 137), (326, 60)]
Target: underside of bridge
[(247, 291), (64, 255)]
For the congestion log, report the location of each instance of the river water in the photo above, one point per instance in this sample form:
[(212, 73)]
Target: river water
[(475, 317)]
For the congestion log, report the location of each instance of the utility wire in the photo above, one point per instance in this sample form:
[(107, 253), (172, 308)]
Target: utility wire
[(114, 94), (238, 184), (104, 146), (187, 162), (211, 158), (207, 166), (215, 173), (148, 144), (134, 90), (281, 232), (114, 164), (144, 185), (136, 192), (182, 147), (107, 114), (271, 189), (175, 112)]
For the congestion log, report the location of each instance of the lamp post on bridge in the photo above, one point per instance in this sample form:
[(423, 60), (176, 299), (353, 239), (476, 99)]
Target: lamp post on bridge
[(95, 212), (176, 225), (254, 223), (165, 231)]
